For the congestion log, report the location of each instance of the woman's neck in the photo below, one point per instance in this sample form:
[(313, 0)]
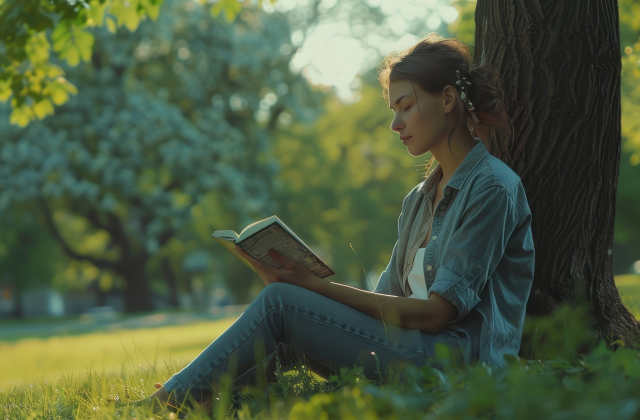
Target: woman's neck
[(450, 160)]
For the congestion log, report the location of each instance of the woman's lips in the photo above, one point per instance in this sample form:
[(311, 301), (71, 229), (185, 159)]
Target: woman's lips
[(406, 139)]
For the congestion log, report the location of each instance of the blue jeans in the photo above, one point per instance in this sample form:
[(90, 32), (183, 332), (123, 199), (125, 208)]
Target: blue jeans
[(293, 326)]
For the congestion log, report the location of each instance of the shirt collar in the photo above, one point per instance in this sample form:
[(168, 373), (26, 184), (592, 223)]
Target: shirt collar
[(461, 174)]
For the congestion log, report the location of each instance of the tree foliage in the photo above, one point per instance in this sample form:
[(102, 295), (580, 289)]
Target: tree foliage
[(151, 142), (29, 29)]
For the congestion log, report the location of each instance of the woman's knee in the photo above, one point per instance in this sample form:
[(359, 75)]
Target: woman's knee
[(282, 294), (280, 290)]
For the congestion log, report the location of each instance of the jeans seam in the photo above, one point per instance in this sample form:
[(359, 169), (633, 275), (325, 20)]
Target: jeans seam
[(358, 335)]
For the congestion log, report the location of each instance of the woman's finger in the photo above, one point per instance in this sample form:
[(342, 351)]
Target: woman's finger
[(276, 255), (253, 261)]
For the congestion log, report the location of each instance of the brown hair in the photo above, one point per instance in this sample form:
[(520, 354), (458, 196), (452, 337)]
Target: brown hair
[(432, 64)]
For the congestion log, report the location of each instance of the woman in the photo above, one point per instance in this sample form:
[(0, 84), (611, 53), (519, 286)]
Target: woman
[(460, 272)]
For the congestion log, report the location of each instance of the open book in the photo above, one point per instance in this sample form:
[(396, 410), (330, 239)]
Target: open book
[(257, 238)]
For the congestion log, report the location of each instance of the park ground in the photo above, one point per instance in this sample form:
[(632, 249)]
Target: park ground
[(54, 355)]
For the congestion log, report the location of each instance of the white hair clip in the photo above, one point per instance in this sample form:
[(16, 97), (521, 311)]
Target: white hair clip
[(463, 95)]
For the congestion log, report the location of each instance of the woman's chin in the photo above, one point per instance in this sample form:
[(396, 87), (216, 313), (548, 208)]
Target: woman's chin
[(416, 152)]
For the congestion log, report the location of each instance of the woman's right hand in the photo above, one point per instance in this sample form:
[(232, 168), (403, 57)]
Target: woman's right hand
[(293, 272)]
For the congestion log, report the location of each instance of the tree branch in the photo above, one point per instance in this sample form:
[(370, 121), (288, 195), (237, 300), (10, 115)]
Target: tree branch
[(98, 262), (93, 216), (165, 236), (119, 235)]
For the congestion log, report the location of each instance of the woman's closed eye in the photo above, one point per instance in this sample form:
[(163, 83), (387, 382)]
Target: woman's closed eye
[(406, 108)]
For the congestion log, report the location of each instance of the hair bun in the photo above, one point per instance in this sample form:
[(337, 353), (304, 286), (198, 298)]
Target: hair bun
[(486, 90)]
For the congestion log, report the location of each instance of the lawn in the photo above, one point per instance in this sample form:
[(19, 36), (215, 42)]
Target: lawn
[(31, 360), (629, 288), (73, 377)]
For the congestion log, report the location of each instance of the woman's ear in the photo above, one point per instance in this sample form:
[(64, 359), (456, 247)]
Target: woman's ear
[(449, 97)]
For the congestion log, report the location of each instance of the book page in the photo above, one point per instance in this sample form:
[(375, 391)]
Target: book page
[(225, 234), (255, 226), (276, 237)]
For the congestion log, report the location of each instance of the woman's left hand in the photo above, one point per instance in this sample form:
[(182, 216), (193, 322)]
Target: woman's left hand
[(292, 273)]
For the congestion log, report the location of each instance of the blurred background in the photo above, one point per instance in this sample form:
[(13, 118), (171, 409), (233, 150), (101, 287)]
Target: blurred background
[(191, 124)]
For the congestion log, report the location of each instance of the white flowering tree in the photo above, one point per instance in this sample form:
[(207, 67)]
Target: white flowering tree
[(167, 118)]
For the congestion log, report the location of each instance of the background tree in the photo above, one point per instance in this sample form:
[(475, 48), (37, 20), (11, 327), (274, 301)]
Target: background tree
[(29, 257), (560, 62), (136, 164)]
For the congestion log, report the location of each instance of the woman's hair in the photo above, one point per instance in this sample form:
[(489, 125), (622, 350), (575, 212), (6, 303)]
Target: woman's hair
[(432, 64)]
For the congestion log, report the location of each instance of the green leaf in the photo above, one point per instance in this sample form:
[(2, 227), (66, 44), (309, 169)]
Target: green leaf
[(60, 36), (5, 89), (126, 11), (21, 115), (43, 108), (72, 43), (231, 9), (53, 71), (216, 9), (96, 12), (111, 25), (152, 8), (58, 90), (37, 48)]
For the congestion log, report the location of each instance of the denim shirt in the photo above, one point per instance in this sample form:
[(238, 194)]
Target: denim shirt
[(480, 256)]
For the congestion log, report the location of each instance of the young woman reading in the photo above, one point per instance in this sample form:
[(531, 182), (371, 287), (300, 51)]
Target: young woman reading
[(460, 272)]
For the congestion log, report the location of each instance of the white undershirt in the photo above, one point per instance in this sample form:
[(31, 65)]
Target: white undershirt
[(416, 277)]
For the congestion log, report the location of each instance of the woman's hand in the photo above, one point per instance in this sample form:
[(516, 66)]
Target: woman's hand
[(292, 273)]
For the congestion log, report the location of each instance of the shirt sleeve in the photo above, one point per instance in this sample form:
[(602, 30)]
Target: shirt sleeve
[(472, 253)]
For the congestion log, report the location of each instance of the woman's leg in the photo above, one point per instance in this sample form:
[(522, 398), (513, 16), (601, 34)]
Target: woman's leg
[(287, 323)]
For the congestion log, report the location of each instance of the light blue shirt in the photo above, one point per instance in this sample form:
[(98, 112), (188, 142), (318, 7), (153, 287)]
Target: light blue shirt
[(480, 256)]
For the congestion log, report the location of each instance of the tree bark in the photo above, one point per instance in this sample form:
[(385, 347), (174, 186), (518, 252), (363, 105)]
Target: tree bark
[(137, 295), (170, 277), (560, 65)]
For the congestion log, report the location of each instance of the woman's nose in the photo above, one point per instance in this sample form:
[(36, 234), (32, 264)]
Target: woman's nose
[(396, 125)]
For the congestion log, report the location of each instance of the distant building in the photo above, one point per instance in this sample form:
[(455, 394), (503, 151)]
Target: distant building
[(8, 303), (42, 302)]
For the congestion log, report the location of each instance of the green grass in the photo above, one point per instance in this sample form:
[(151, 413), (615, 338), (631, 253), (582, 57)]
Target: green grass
[(29, 360), (629, 287), (75, 377)]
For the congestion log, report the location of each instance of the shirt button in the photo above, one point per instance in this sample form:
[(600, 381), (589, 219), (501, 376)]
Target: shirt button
[(443, 207), (446, 192), (478, 266), (433, 238), (429, 268)]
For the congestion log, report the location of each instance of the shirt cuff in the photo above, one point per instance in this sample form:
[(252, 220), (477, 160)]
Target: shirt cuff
[(456, 288)]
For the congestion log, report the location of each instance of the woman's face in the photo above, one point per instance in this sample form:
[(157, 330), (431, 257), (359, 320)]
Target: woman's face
[(420, 130)]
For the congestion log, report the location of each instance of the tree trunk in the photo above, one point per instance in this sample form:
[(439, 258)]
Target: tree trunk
[(170, 277), (560, 65), (137, 295)]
